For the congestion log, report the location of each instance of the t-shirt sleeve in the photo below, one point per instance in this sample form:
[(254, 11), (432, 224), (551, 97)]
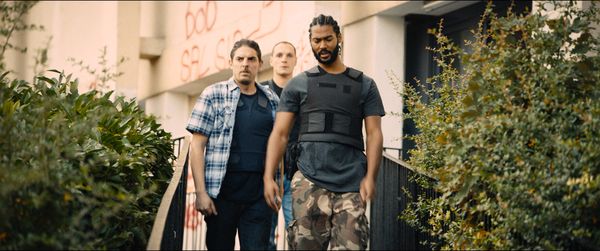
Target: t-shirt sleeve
[(203, 115), (373, 103), (291, 96)]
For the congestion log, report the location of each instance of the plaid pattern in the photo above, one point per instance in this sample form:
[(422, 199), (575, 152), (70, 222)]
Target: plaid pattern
[(214, 116)]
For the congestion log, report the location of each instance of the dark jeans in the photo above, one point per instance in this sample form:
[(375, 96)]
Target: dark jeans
[(251, 220)]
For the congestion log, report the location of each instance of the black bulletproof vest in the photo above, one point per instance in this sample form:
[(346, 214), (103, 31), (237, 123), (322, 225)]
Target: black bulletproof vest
[(294, 133), (332, 112), (253, 124)]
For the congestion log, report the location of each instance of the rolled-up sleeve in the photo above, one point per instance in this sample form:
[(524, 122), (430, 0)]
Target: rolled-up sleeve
[(373, 103), (290, 98), (203, 115)]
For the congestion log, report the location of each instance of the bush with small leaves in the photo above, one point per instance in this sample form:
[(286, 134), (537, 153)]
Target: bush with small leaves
[(78, 171), (514, 139)]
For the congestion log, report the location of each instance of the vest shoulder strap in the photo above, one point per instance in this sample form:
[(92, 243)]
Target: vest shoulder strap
[(262, 100), (313, 72), (268, 83), (354, 74), (271, 85)]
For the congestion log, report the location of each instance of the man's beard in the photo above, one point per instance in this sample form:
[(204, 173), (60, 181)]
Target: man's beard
[(245, 82), (331, 59)]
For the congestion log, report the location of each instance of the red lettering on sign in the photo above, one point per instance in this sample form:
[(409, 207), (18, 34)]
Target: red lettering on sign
[(203, 19), (191, 62), (223, 49), (192, 217), (199, 24)]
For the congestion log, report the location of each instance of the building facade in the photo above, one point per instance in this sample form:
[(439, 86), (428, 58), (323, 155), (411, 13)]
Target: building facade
[(175, 49)]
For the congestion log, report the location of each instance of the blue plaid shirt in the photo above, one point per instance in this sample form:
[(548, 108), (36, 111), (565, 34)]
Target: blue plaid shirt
[(214, 116)]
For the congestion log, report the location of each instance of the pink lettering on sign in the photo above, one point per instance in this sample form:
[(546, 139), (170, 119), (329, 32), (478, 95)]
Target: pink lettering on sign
[(203, 19), (191, 63), (192, 217), (269, 20), (223, 49), (210, 46)]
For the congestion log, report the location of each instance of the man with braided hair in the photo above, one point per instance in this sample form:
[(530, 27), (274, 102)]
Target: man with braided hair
[(335, 178)]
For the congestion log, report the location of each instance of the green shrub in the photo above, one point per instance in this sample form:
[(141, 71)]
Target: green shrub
[(13, 21), (513, 140), (77, 171)]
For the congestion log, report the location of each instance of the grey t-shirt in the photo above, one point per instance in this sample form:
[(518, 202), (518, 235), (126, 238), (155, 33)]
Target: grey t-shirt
[(333, 166)]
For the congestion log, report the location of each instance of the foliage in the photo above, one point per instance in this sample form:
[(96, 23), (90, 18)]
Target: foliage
[(78, 171), (41, 59), (513, 139), (103, 76), (13, 13)]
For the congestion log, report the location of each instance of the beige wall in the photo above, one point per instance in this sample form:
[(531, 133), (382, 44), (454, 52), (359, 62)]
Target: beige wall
[(375, 45), (354, 11), (128, 46), (176, 49), (78, 29), (199, 36)]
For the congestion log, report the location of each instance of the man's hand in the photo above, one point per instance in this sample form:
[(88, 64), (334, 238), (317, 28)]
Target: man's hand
[(204, 204), (275, 148), (271, 193), (367, 189)]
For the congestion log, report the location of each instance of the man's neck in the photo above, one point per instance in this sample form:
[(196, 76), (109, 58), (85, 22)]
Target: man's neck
[(336, 68), (281, 80), (247, 89)]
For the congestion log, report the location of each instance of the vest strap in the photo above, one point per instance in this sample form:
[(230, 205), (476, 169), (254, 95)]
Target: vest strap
[(262, 100), (354, 74), (313, 72), (332, 110)]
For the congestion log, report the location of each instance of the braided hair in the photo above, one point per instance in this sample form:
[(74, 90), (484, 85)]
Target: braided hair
[(324, 20)]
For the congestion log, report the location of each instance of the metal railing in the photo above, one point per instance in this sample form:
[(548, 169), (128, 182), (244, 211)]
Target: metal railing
[(177, 145), (388, 232), (194, 234), (178, 226), (167, 231), (396, 150)]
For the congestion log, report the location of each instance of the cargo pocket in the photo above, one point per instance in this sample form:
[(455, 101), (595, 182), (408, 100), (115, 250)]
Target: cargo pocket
[(292, 230), (363, 225), (316, 122), (341, 124)]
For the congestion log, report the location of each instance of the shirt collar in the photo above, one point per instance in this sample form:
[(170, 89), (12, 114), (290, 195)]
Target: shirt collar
[(265, 90), (231, 85)]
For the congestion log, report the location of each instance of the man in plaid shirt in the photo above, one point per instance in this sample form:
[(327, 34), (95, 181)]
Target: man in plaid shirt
[(230, 126)]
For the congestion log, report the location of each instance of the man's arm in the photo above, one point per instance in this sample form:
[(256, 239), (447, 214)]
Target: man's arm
[(204, 203), (275, 149), (374, 148)]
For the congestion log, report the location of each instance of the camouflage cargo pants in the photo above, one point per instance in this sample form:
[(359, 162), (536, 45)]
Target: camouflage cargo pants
[(325, 219)]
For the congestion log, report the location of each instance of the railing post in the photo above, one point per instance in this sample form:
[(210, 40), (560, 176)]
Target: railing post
[(172, 238), (167, 231), (393, 183)]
